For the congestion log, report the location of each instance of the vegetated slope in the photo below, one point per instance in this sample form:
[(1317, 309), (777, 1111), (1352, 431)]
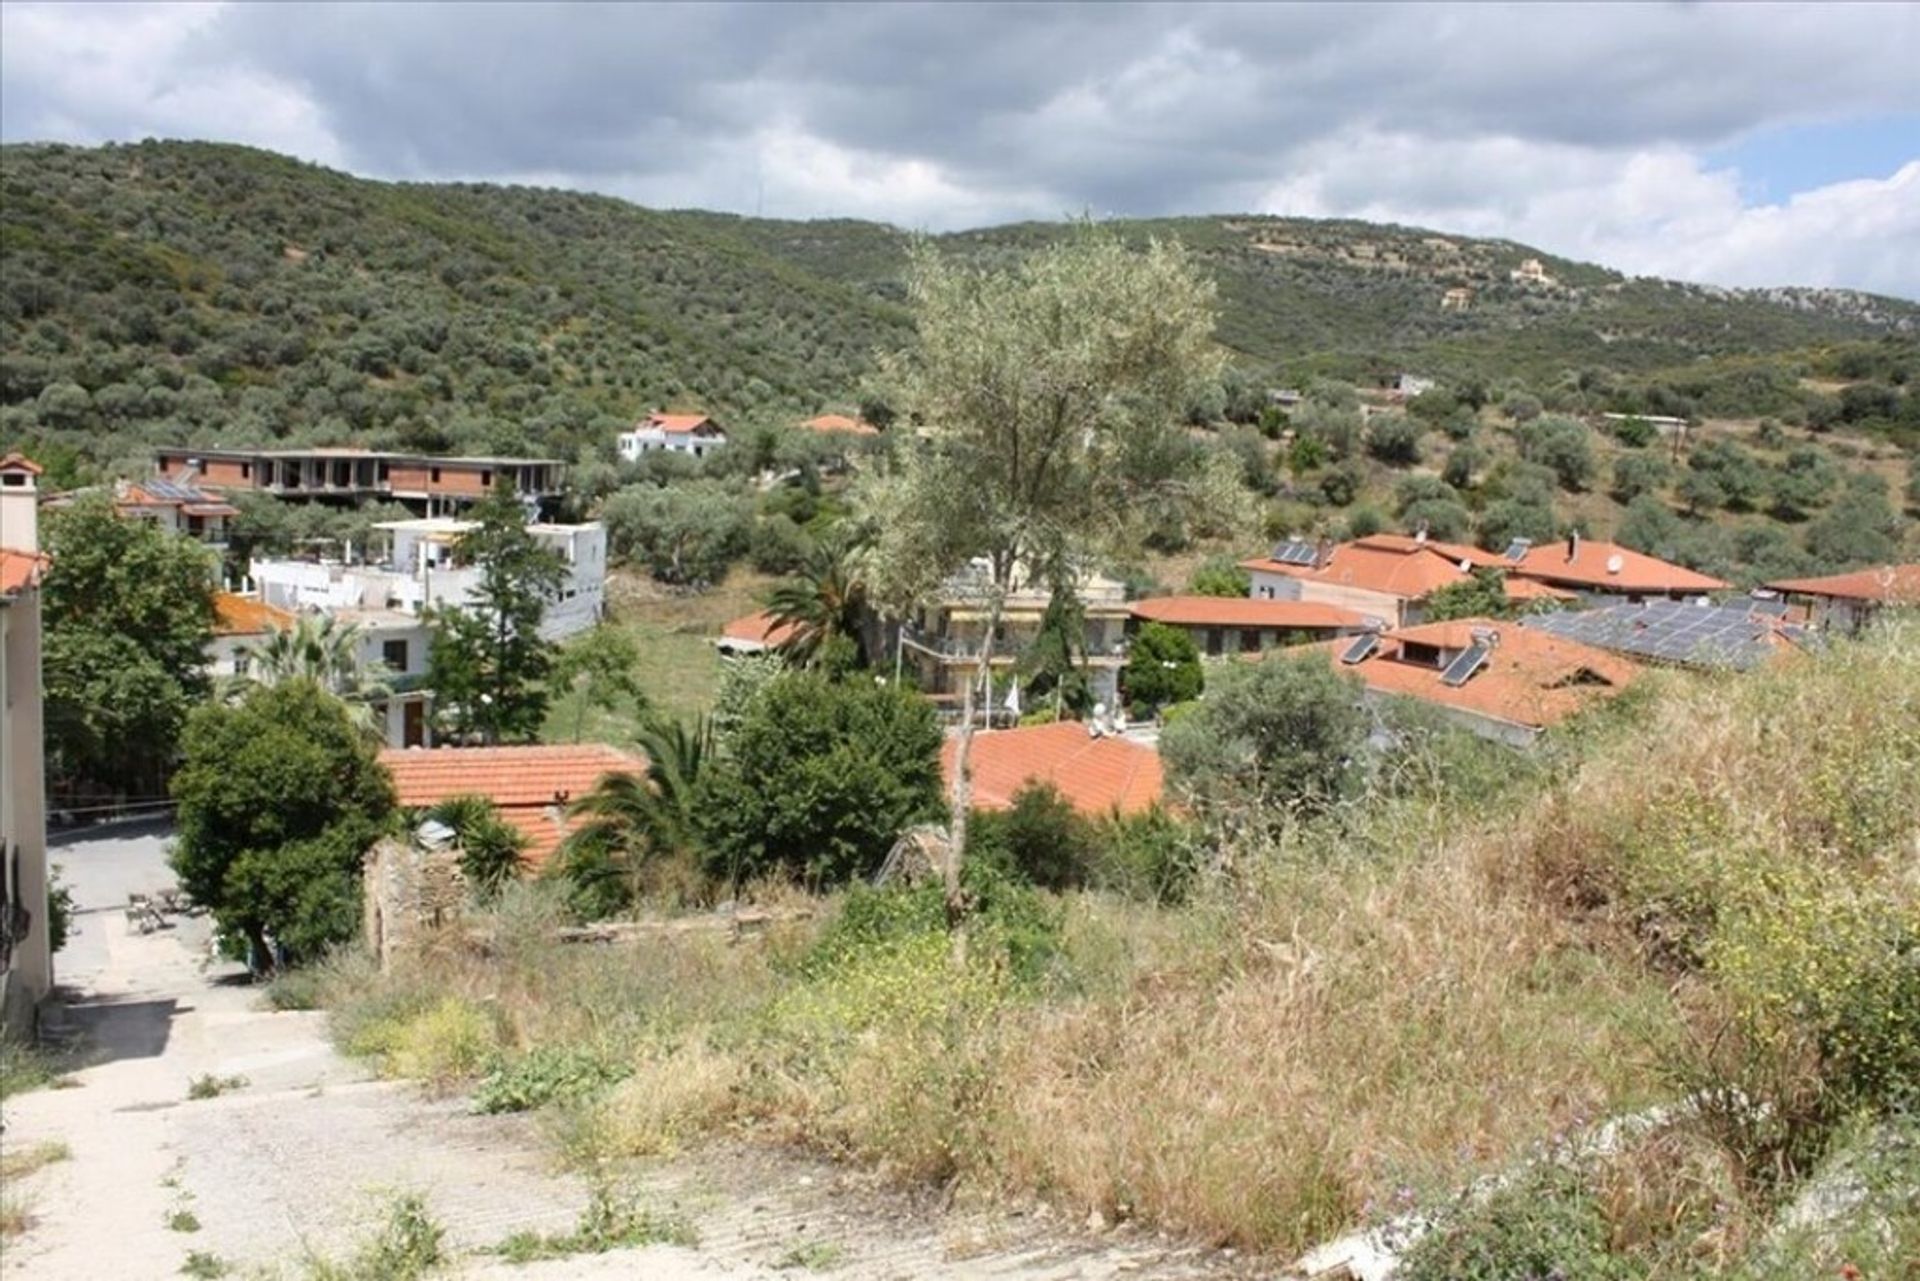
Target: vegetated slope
[(207, 292)]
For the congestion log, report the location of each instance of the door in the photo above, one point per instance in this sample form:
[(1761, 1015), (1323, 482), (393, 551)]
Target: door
[(413, 723)]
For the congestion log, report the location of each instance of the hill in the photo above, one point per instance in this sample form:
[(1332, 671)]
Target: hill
[(164, 290)]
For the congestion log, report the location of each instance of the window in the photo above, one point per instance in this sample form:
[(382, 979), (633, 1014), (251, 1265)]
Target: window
[(246, 471), (394, 654), (1425, 655), (486, 478), (435, 477), (241, 664), (1250, 640), (1215, 642)]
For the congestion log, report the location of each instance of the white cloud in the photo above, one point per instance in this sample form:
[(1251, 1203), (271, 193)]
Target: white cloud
[(1657, 211)]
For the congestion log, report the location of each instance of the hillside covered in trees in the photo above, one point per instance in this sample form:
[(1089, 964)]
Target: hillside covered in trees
[(204, 292)]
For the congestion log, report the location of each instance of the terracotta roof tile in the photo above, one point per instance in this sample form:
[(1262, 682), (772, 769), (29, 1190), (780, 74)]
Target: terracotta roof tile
[(17, 461), (1239, 611), (235, 615), (1888, 584), (527, 784), (1594, 566), (757, 631), (678, 424), (1096, 775), (1530, 678), (20, 569), (1392, 566), (827, 423)]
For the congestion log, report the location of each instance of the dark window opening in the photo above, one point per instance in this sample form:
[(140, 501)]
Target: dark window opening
[(1424, 655), (1250, 640), (394, 654)]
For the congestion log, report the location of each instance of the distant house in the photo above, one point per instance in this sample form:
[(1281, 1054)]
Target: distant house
[(1498, 679), (177, 506), (1737, 635), (240, 625), (26, 953), (531, 786), (694, 434), (1847, 602), (1383, 577), (1099, 774), (840, 425), (1530, 272), (1411, 385), (1458, 298), (345, 475), (1222, 625), (755, 633), (1596, 569)]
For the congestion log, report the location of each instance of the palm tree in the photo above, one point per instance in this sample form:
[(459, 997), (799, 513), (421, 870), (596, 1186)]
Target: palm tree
[(824, 603), (492, 851), (636, 821), (322, 649)]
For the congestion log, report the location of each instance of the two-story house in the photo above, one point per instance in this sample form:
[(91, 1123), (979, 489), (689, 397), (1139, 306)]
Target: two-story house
[(26, 952), (694, 434), (424, 483)]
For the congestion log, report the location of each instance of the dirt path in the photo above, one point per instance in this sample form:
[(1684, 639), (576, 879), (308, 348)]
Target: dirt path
[(305, 1157)]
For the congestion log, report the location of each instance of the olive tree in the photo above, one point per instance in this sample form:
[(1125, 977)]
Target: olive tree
[(1049, 399)]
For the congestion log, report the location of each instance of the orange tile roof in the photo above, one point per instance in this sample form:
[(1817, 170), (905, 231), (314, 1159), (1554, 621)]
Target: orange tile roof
[(758, 629), (1387, 564), (678, 424), (1239, 611), (20, 569), (1530, 678), (17, 461), (1592, 567), (1529, 589), (1888, 584), (841, 423), (235, 615), (1096, 775), (524, 783)]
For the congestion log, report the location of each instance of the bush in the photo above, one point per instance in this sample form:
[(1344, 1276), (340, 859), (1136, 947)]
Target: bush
[(1394, 439), (1040, 839), (1219, 576), (1635, 475), (1148, 856), (1275, 737), (548, 1074), (1163, 667), (1635, 432), (1561, 444), (1364, 520), (1547, 1225), (1340, 485)]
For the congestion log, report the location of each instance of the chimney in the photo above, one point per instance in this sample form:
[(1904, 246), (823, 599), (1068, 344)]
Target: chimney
[(19, 503), (1573, 545), (1322, 552), (1420, 534)]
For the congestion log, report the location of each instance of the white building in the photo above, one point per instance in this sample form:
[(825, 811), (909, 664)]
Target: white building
[(694, 434), (26, 954), (419, 571)]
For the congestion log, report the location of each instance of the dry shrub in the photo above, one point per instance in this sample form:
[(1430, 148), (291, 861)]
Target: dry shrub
[(674, 1093), (1677, 1198)]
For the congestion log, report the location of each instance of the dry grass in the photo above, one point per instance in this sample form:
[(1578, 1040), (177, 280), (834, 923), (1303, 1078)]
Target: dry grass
[(18, 1165)]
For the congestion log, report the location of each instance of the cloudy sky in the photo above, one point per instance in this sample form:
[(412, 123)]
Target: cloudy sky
[(1775, 144)]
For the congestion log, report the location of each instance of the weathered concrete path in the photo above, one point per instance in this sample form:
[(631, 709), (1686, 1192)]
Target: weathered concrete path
[(304, 1158)]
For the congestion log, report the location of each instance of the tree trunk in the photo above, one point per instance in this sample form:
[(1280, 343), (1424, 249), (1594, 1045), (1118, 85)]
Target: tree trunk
[(958, 908)]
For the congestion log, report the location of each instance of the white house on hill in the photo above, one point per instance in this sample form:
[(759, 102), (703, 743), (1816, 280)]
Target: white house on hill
[(694, 434)]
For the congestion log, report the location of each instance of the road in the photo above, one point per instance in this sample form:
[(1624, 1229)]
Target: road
[(303, 1159)]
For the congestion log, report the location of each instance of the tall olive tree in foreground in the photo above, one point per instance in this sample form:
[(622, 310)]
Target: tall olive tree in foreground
[(1048, 400)]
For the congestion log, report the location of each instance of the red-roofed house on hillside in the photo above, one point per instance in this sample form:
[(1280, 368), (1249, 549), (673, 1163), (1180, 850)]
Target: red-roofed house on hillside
[(179, 507), (1383, 576), (26, 952), (1498, 679), (530, 786), (1847, 602), (1098, 774), (754, 634), (1592, 568), (1222, 625), (695, 434)]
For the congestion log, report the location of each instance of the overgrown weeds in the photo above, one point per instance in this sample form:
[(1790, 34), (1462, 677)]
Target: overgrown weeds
[(609, 1222), (26, 1161), (407, 1246)]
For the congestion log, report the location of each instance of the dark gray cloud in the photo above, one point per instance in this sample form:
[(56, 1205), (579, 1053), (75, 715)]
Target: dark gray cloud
[(946, 114)]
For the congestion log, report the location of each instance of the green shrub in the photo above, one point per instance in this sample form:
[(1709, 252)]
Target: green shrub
[(1040, 839), (1149, 856), (1545, 1225), (547, 1074)]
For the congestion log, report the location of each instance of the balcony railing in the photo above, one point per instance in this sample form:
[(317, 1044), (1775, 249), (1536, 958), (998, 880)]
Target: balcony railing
[(1007, 649)]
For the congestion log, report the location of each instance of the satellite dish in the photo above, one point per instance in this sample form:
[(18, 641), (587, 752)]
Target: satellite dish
[(1615, 563)]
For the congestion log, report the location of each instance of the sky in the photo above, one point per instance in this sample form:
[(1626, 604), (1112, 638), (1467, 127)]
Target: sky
[(1770, 144)]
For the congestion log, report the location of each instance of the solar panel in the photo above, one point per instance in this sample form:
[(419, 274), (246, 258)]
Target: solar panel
[(1463, 667), (1361, 647), (1670, 631), (1294, 552), (1518, 548)]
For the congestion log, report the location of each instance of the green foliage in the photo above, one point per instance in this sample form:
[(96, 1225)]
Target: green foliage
[(1561, 444), (1483, 594), (127, 611), (1509, 518), (1741, 480), (1150, 856), (1163, 666), (1548, 1224), (409, 1245), (1635, 475), (1365, 519), (278, 796), (825, 605), (1275, 737), (60, 910), (491, 849), (1635, 432), (1394, 439), (1861, 527), (203, 1265), (1219, 576), (597, 669), (819, 778), (1341, 485), (608, 1223), (548, 1074), (1054, 665), (639, 829), (209, 1086), (488, 663), (1040, 839), (1464, 465), (688, 533)]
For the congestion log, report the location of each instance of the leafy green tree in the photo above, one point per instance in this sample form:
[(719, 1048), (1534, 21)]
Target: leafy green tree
[(1804, 479), (1861, 528), (819, 779), (1054, 665), (278, 798), (1649, 526), (1635, 432), (1742, 479), (1279, 736), (326, 651), (1040, 838), (1051, 396), (683, 533), (1635, 475), (1219, 576), (825, 605), (1464, 464), (1163, 668), (599, 669), (1701, 492), (488, 663), (1511, 518), (128, 612), (1364, 520), (1394, 439), (1341, 485), (1562, 444), (1482, 594)]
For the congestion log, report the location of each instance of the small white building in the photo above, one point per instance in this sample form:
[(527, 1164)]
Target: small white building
[(420, 571), (694, 434)]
